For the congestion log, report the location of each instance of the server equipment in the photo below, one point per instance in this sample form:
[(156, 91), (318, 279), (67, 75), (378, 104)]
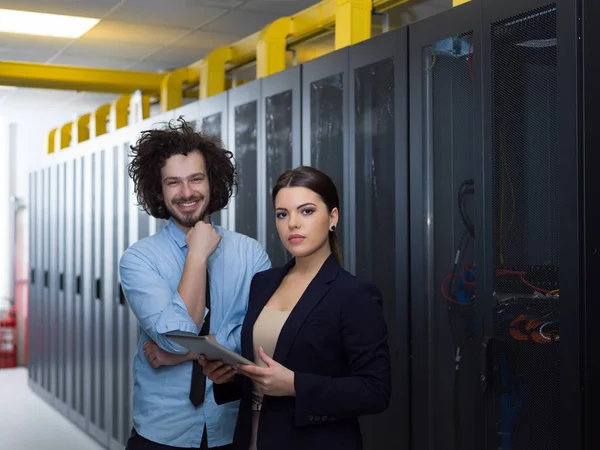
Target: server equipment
[(461, 146)]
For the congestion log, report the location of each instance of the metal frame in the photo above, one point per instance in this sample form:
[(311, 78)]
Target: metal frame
[(132, 334), (69, 284), (61, 292), (46, 308), (239, 96), (331, 64), (573, 272), (33, 328), (587, 51), (289, 80), (391, 45), (219, 104), (108, 273), (79, 413), (444, 25), (118, 301), (88, 292)]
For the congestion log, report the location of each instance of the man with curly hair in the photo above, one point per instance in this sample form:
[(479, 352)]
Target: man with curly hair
[(190, 277)]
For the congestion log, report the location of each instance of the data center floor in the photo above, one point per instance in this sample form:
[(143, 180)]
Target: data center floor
[(28, 423)]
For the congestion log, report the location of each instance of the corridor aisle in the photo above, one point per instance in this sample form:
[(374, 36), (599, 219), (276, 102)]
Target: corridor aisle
[(29, 423)]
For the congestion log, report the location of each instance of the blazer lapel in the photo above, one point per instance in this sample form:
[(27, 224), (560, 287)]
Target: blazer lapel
[(262, 296), (316, 290)]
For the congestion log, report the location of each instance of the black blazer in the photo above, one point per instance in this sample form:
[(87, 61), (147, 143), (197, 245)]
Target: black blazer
[(335, 341)]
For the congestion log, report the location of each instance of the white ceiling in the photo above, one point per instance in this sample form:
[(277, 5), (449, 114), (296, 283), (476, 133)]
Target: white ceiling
[(145, 35)]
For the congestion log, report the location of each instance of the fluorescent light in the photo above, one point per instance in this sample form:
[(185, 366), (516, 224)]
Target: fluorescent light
[(41, 24)]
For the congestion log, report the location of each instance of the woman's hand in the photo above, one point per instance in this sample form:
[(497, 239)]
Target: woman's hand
[(275, 379), (216, 371)]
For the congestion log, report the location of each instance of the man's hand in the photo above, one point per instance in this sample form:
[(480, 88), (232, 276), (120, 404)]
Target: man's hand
[(157, 357), (202, 240), (217, 371)]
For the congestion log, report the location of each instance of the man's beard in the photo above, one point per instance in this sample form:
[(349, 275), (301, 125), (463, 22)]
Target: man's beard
[(187, 220)]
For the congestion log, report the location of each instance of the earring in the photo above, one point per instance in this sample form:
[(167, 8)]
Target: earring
[(332, 227)]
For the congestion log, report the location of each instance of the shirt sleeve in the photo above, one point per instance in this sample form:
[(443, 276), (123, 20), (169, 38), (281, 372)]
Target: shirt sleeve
[(156, 307), (230, 335)]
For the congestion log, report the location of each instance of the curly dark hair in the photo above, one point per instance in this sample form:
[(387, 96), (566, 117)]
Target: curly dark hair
[(155, 146)]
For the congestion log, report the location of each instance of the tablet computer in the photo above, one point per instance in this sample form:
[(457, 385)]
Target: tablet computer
[(203, 345)]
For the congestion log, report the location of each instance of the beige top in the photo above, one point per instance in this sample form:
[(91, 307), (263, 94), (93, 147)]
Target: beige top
[(265, 334)]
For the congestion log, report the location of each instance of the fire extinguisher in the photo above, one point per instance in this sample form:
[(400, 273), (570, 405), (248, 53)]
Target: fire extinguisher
[(8, 340)]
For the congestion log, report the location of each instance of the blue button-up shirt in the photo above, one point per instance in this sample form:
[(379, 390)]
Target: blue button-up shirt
[(150, 272)]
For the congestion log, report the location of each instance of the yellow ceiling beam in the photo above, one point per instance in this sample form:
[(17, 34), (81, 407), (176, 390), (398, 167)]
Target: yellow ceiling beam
[(212, 72), (74, 78), (314, 20), (272, 46), (352, 22)]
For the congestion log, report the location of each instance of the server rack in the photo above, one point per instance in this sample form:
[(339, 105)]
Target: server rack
[(69, 287), (244, 139), (281, 122), (377, 202), (51, 299), (493, 63), (97, 330), (214, 122), (521, 209), (61, 294), (110, 293), (46, 211), (121, 363), (88, 293), (79, 416), (33, 328), (445, 156), (325, 89), (582, 17)]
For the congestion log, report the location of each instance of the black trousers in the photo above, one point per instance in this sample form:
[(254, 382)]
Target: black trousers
[(137, 442)]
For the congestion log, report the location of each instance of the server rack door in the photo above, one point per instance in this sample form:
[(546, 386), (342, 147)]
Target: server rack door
[(69, 286), (578, 171), (325, 127), (45, 320), (33, 285), (133, 335), (60, 281), (281, 121), (98, 363), (53, 300), (79, 326), (108, 272), (41, 288), (377, 202), (445, 162), (89, 338), (244, 140), (588, 88), (118, 300), (523, 249), (213, 116), (124, 321)]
